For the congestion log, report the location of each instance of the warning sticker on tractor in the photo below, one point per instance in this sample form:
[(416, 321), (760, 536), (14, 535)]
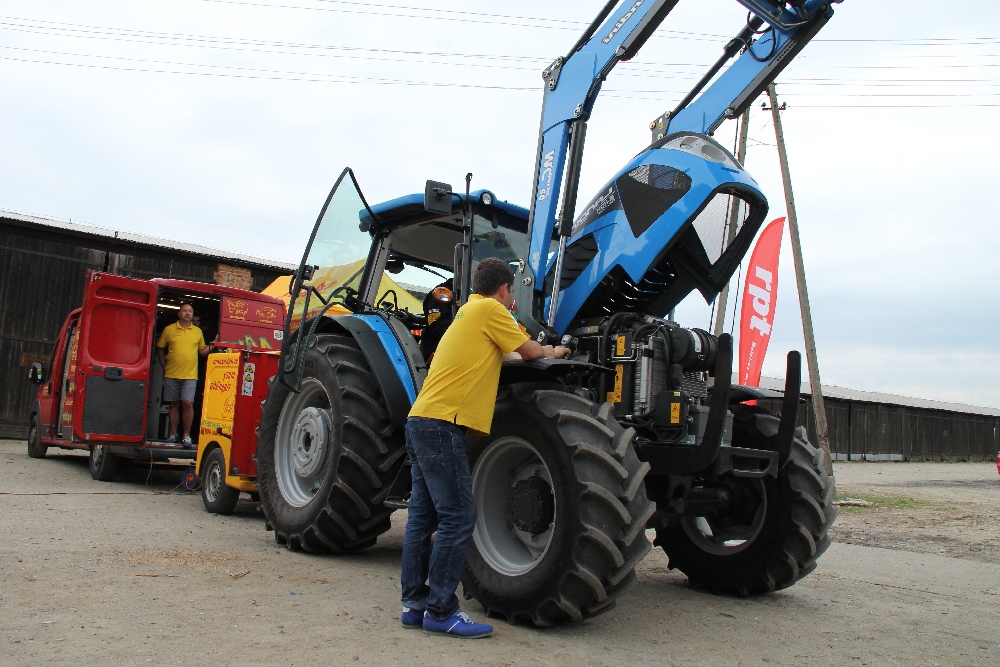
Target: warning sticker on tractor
[(616, 395), (248, 372)]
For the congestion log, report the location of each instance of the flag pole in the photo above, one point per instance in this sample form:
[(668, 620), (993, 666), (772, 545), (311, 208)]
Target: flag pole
[(816, 389)]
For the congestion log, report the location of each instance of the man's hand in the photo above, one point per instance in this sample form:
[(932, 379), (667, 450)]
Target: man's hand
[(532, 350)]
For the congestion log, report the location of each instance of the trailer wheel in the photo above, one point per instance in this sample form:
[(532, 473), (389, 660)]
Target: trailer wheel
[(562, 509), (103, 464), (36, 449), (218, 498), (779, 528), (327, 455)]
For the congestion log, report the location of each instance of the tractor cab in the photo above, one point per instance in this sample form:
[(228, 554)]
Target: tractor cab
[(400, 258)]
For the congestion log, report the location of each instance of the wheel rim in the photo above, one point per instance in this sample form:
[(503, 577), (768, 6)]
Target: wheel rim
[(302, 443), (507, 548), (98, 454), (713, 535), (213, 481)]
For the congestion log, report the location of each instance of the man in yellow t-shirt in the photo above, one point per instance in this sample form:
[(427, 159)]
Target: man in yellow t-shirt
[(178, 349), (457, 397)]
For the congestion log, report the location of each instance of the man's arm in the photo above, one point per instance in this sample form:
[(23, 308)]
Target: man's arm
[(162, 357), (533, 350), (205, 348)]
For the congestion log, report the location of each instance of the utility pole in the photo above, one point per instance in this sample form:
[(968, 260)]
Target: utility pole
[(819, 408), (741, 155)]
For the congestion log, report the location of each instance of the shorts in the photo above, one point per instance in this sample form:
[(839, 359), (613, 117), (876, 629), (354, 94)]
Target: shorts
[(178, 390)]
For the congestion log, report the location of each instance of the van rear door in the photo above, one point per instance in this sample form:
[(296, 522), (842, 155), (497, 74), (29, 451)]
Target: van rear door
[(115, 348)]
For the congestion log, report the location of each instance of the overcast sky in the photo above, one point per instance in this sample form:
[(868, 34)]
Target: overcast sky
[(225, 122)]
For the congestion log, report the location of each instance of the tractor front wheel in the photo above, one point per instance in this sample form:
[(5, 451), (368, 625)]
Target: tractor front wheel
[(777, 530), (327, 454), (562, 509)]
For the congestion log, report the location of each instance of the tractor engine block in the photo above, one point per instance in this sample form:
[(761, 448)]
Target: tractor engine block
[(661, 373)]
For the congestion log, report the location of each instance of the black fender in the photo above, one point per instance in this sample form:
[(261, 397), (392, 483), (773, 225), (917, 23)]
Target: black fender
[(397, 401)]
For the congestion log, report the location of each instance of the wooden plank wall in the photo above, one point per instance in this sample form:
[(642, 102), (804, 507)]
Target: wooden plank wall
[(880, 431)]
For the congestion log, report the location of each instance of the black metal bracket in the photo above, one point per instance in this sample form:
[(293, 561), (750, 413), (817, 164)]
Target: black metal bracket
[(790, 404)]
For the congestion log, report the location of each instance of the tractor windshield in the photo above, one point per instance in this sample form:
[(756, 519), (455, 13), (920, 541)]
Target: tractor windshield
[(338, 251)]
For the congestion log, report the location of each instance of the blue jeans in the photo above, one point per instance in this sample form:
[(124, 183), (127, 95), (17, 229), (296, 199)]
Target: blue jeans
[(441, 501)]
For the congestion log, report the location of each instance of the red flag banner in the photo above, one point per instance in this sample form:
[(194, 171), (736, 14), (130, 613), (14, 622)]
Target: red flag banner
[(760, 292)]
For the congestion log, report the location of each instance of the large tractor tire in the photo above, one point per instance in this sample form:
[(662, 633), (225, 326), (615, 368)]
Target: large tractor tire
[(779, 529), (36, 448), (327, 455), (562, 509)]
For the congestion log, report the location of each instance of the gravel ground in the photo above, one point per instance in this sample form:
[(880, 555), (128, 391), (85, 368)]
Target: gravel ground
[(135, 572)]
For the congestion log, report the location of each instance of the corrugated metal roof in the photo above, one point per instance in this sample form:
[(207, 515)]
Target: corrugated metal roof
[(141, 239), (846, 394)]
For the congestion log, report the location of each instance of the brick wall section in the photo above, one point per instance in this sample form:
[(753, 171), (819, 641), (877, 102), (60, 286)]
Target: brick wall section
[(233, 276)]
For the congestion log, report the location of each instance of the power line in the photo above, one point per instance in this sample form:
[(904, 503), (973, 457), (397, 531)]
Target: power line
[(312, 77), (456, 15)]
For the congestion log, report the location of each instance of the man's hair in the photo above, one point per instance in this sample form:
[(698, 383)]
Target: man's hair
[(185, 303), (491, 274)]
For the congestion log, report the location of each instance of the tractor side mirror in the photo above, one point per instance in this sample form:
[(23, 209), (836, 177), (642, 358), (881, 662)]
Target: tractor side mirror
[(36, 374), (437, 198)]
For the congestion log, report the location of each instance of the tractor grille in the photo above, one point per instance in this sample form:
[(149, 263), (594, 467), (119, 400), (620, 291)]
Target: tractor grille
[(713, 223), (662, 177)]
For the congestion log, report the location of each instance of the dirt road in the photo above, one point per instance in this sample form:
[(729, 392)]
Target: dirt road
[(137, 573)]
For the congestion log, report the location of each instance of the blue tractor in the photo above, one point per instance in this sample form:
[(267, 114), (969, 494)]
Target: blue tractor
[(640, 430)]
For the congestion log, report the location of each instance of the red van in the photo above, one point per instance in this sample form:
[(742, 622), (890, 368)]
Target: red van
[(101, 388)]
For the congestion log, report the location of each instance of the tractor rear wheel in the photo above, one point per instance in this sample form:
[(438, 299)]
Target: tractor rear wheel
[(777, 532), (562, 509), (327, 455)]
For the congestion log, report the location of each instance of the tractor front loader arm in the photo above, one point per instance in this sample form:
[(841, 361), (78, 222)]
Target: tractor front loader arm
[(573, 82)]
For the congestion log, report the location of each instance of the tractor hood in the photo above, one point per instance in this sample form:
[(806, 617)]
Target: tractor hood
[(680, 216)]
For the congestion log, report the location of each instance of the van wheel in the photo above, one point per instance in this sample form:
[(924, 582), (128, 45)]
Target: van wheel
[(217, 496), (36, 449), (103, 464)]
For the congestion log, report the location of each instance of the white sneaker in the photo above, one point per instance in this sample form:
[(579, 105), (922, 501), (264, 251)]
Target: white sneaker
[(187, 441)]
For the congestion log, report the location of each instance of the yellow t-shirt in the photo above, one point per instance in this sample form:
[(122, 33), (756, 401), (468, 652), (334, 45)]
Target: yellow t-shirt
[(462, 384), (182, 347)]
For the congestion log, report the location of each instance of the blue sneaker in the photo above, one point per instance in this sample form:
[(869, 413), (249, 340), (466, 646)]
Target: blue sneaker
[(459, 625), (412, 618)]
